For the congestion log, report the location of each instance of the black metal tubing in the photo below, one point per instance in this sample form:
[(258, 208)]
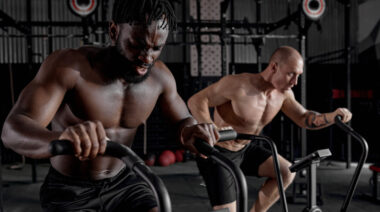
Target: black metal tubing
[(6, 19), (237, 174), (311, 161), (276, 164), (316, 156), (131, 160), (348, 59), (1, 187), (226, 135), (363, 158)]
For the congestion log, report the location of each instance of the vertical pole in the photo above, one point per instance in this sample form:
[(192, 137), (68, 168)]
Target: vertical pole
[(375, 184), (30, 62), (184, 50), (232, 45), (303, 80), (223, 47), (347, 18), (259, 32), (85, 22), (1, 181), (199, 45), (104, 19), (50, 28), (28, 37)]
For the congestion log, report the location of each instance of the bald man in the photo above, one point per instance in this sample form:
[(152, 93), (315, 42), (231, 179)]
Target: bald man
[(247, 103)]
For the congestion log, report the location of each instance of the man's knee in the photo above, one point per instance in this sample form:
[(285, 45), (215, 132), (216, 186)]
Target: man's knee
[(155, 209), (286, 174), (231, 206)]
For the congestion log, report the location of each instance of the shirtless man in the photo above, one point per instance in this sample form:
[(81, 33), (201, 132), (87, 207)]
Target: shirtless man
[(90, 94), (247, 103)]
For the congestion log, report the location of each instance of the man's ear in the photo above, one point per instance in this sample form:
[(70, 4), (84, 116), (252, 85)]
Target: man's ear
[(274, 67), (113, 31)]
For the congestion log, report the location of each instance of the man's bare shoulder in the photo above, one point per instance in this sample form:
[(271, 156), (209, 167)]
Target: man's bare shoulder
[(161, 73), (238, 80), (71, 58), (288, 94), (64, 66)]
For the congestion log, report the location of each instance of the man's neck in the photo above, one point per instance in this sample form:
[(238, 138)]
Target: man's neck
[(264, 82)]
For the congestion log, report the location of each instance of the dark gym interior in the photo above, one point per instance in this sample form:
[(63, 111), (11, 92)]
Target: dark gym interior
[(215, 38)]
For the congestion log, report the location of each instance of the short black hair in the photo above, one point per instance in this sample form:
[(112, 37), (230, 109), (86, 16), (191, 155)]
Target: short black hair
[(144, 11)]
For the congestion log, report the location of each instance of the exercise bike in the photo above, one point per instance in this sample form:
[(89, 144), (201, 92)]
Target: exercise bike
[(240, 181), (132, 161), (311, 161), (136, 164)]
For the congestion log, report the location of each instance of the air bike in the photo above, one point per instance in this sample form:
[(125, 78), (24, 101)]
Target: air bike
[(132, 161), (240, 182), (311, 161)]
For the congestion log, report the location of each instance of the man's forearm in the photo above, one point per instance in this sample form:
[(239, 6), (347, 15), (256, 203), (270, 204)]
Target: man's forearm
[(199, 110), (189, 121), (24, 136), (315, 120)]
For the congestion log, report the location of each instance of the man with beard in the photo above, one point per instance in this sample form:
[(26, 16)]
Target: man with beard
[(93, 94)]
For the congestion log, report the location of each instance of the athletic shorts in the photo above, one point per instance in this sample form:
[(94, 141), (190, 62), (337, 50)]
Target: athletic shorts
[(123, 192), (220, 183)]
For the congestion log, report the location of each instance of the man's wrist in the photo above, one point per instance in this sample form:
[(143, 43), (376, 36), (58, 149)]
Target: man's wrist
[(189, 121)]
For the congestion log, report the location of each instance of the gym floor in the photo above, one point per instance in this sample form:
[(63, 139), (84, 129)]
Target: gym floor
[(188, 194)]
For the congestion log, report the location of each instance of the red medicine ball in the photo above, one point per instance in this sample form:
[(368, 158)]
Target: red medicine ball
[(166, 158), (179, 155)]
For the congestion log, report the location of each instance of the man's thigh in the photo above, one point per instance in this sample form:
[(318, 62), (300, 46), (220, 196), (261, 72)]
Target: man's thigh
[(220, 183), (254, 157), (266, 169)]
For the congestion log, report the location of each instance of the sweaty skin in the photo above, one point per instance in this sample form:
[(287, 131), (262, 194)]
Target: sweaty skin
[(90, 94), (248, 102)]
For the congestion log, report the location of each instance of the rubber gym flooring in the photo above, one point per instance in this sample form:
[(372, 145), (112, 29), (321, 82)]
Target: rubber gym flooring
[(187, 192)]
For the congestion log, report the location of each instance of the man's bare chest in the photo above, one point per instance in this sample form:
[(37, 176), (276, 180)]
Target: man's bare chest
[(115, 105), (257, 109)]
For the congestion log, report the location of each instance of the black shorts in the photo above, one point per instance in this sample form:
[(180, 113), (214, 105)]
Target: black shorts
[(123, 192), (220, 183)]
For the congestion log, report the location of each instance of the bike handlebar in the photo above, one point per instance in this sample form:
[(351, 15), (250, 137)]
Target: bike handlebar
[(363, 157), (131, 160), (226, 135)]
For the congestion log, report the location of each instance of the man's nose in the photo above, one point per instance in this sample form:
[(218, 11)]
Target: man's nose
[(146, 57), (296, 80)]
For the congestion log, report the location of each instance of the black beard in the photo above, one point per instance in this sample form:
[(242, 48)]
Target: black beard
[(125, 69)]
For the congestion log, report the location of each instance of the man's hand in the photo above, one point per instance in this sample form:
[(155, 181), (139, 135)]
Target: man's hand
[(205, 132), (344, 113), (88, 139)]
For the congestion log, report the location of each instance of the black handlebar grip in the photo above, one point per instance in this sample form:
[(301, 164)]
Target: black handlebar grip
[(343, 126), (226, 135), (61, 147), (302, 163), (203, 147), (307, 160), (115, 150)]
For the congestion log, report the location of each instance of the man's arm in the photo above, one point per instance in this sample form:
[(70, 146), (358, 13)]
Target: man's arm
[(175, 109), (311, 119), (25, 130), (211, 96)]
